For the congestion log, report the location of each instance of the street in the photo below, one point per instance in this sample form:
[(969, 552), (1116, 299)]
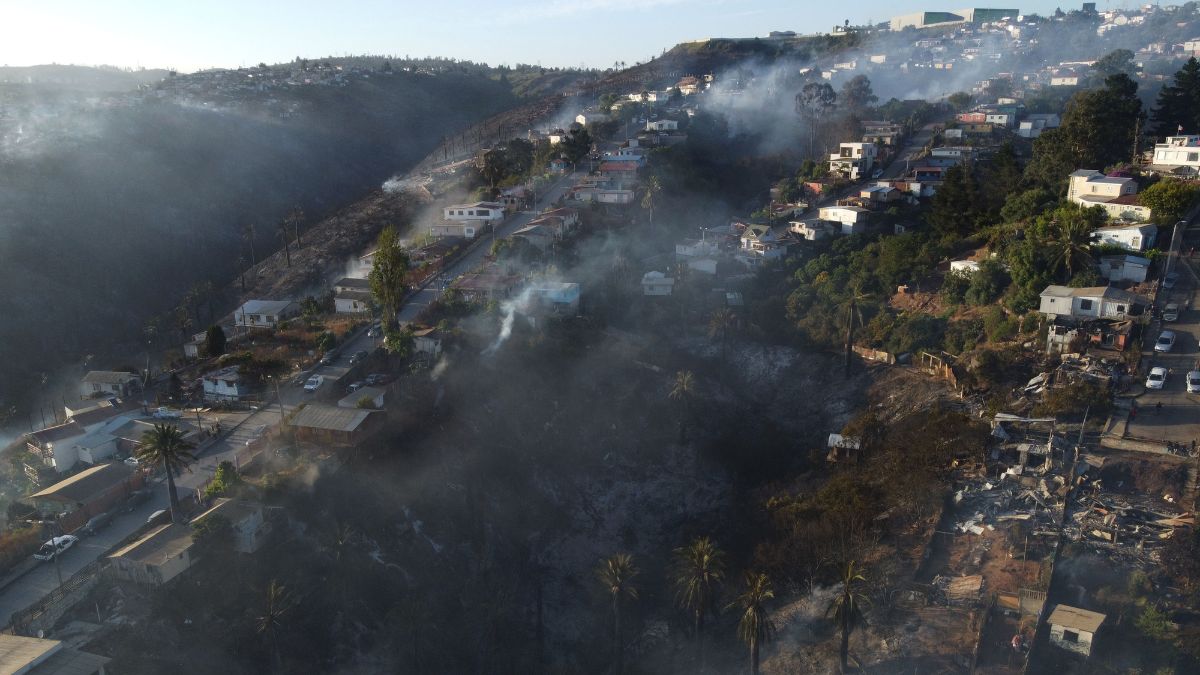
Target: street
[(912, 150), (1178, 420)]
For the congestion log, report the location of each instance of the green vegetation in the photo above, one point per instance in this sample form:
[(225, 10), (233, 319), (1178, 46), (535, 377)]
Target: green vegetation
[(388, 274), (616, 574), (224, 480), (1169, 200), (214, 341), (164, 445)]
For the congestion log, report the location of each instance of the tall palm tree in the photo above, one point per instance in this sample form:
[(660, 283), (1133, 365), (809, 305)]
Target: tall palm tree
[(720, 323), (846, 609), (681, 391), (650, 197), (851, 302), (754, 626), (283, 232), (699, 571), (278, 603), (617, 573), (165, 445), (1071, 244)]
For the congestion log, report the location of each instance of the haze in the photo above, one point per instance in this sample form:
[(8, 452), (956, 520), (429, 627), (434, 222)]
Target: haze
[(228, 34)]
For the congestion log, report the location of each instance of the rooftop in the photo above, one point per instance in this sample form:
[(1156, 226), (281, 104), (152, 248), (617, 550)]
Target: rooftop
[(159, 545), (54, 434), (370, 393), (264, 307), (233, 510), (353, 282), (85, 485), (331, 418), (35, 656), (109, 377), (1079, 619), (361, 296)]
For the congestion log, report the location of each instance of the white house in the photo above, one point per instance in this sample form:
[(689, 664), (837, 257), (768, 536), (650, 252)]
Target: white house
[(250, 527), (1178, 152), (812, 230), (352, 295), (103, 383), (1116, 195), (465, 230), (161, 555), (657, 283), (1096, 302), (56, 445), (488, 212), (584, 119), (428, 341), (853, 219), (1124, 268), (662, 125), (1136, 237), (225, 384), (1074, 629), (759, 243), (264, 313), (1064, 81), (853, 160)]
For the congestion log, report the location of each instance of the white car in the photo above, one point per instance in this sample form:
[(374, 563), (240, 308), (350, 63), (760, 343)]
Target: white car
[(1166, 340), (1157, 378), (55, 547), (1193, 382), (167, 414), (314, 383)]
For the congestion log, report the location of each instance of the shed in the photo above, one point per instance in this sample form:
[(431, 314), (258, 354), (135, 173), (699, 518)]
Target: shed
[(332, 424), (163, 554), (87, 493), (1074, 629)]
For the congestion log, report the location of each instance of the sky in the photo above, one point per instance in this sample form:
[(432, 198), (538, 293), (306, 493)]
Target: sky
[(189, 35)]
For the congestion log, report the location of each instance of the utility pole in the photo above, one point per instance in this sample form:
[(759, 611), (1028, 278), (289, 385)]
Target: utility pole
[(279, 398)]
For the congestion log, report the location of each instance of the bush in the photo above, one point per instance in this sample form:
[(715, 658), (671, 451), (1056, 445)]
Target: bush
[(1074, 399), (997, 325), (18, 545)]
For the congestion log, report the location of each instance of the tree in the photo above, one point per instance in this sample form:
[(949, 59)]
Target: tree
[(294, 220), (1117, 62), (399, 343), (650, 196), (854, 296), (699, 571), (754, 625), (960, 101), (1168, 200), (721, 322), (955, 209), (857, 95), (1070, 243), (388, 274), (846, 609), (616, 574), (681, 391), (165, 445), (214, 341), (1178, 107), (282, 231), (271, 621), (813, 102)]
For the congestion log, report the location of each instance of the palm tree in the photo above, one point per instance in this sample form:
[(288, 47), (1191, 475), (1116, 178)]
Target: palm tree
[(270, 622), (282, 231), (1071, 244), (846, 609), (852, 312), (650, 196), (720, 323), (295, 218), (699, 571), (681, 391), (754, 626), (165, 445), (617, 573)]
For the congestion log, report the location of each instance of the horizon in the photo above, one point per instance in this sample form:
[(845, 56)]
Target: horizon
[(134, 35)]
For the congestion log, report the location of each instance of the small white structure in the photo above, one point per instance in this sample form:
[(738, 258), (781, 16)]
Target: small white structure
[(1033, 125), (662, 125), (1178, 152), (812, 230), (225, 384), (1136, 238), (373, 395), (427, 341), (657, 283), (1074, 629), (250, 527), (1096, 302), (264, 313), (853, 219), (967, 266), (99, 383), (352, 295), (560, 297), (853, 160), (163, 554), (586, 118), (488, 212), (465, 230), (1124, 268)]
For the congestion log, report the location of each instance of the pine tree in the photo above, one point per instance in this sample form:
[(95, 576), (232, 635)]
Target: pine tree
[(1178, 103)]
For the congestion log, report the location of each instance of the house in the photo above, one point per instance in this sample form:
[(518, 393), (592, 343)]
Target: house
[(463, 230), (697, 248), (842, 448), (489, 284), (55, 446), (88, 493), (1033, 125), (568, 216), (1064, 81), (478, 212), (104, 383), (600, 195), (559, 297), (620, 171), (427, 341), (1091, 188), (657, 283), (373, 395), (332, 424), (1180, 154), (1097, 302), (759, 243), (586, 118), (225, 384), (852, 219), (1074, 629), (515, 198), (264, 313), (1136, 237), (539, 236), (156, 558), (353, 302), (350, 284), (662, 125), (853, 160), (813, 229), (559, 165), (20, 655), (249, 524), (688, 85), (881, 194), (1124, 268)]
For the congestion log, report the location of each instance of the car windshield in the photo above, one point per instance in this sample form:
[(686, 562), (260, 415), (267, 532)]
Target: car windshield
[(1156, 376), (1164, 340)]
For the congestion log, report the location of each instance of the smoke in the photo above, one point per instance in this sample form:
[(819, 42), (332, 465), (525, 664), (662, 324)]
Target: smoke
[(509, 310)]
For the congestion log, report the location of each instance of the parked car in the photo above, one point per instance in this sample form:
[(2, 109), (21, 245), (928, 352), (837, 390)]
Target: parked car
[(328, 359), (132, 461), (158, 517), (375, 330), (1169, 280), (1193, 382), (1171, 312), (377, 378), (354, 386), (1166, 340), (1157, 378), (165, 413), (96, 524), (359, 357), (314, 383), (137, 499), (55, 547)]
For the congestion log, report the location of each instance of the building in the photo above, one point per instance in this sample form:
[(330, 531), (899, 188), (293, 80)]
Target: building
[(21, 655), (464, 230), (226, 384), (1124, 268), (264, 313), (586, 118), (352, 295), (332, 424), (1116, 195), (1096, 302), (852, 219), (1136, 237), (559, 297), (88, 493), (55, 446), (759, 244), (158, 557), (481, 212), (975, 15), (813, 229), (1074, 629), (1180, 154), (1033, 125), (853, 160), (657, 283), (662, 125), (373, 395), (428, 341), (247, 519), (104, 383)]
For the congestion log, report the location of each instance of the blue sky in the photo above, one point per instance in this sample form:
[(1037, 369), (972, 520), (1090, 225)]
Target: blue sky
[(190, 35)]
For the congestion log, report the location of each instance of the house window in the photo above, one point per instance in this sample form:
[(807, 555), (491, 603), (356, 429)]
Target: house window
[(1070, 636), (1193, 157), (1120, 309), (1085, 305)]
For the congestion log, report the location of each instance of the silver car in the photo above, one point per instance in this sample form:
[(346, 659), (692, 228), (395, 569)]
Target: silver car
[(1193, 382), (1166, 340)]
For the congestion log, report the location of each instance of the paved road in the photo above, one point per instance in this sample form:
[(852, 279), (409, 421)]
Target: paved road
[(1179, 418), (44, 578), (911, 151)]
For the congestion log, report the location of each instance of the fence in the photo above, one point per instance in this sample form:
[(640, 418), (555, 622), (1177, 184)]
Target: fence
[(43, 614), (875, 355)]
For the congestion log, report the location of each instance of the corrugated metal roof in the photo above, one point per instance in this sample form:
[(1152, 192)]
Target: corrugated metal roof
[(330, 418)]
